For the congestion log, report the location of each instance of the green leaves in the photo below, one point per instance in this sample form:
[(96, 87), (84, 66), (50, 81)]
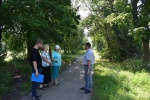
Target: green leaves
[(26, 21), (109, 25), (140, 32)]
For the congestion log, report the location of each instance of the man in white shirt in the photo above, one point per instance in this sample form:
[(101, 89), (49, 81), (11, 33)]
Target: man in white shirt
[(88, 61)]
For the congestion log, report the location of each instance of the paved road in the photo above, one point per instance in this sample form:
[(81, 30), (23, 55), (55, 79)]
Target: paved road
[(70, 80)]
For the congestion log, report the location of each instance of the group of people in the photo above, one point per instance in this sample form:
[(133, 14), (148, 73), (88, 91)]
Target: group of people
[(42, 63)]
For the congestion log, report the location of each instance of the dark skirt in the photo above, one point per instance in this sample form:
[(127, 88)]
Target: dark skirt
[(46, 71)]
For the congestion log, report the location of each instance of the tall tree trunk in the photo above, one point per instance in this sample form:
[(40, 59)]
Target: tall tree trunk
[(0, 34), (64, 47), (28, 50), (0, 26), (146, 52), (144, 41), (134, 11), (30, 45)]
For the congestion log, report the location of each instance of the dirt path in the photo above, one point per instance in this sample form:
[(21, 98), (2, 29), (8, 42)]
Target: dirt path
[(70, 80)]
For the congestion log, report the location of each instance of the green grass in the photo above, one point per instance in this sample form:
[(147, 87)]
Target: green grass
[(121, 81), (21, 65), (8, 71)]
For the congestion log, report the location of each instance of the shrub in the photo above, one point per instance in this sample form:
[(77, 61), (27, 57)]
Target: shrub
[(6, 79)]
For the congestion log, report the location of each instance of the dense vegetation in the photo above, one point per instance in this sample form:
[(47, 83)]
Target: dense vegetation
[(120, 28), (53, 21), (22, 22), (120, 31)]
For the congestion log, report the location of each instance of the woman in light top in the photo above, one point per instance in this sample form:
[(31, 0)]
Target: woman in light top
[(46, 63), (56, 63)]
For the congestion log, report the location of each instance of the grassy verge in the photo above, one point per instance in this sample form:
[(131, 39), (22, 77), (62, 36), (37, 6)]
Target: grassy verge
[(121, 81), (22, 85), (11, 86)]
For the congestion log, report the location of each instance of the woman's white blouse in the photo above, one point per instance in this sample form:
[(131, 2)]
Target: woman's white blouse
[(47, 56)]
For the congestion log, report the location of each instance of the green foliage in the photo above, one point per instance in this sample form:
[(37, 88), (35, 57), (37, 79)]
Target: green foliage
[(26, 21), (109, 26), (141, 30), (22, 65), (6, 78), (121, 81), (73, 44), (141, 27)]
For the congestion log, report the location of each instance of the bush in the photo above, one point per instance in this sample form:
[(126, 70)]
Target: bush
[(6, 79)]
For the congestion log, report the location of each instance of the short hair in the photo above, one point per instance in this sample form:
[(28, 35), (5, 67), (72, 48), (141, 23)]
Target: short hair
[(39, 41), (88, 44)]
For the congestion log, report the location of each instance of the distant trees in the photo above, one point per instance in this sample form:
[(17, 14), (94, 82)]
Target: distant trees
[(73, 44)]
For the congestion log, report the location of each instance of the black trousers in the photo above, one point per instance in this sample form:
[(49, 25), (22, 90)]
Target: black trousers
[(46, 71)]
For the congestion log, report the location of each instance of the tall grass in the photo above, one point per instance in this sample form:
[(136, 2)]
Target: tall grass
[(121, 81)]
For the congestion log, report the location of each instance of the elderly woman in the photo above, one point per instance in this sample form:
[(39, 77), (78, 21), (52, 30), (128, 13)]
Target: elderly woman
[(46, 63), (56, 63)]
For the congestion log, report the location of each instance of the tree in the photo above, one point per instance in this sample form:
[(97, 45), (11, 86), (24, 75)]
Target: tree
[(109, 24), (25, 21), (141, 21), (73, 44), (2, 46)]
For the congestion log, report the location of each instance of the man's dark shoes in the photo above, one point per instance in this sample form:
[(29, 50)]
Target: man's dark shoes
[(82, 88), (87, 92), (35, 98)]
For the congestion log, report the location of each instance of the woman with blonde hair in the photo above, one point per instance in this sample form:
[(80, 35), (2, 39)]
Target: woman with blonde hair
[(46, 63)]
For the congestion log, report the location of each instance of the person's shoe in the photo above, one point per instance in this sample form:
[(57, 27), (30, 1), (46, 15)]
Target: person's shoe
[(42, 88), (35, 98), (56, 84), (82, 88), (87, 92)]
